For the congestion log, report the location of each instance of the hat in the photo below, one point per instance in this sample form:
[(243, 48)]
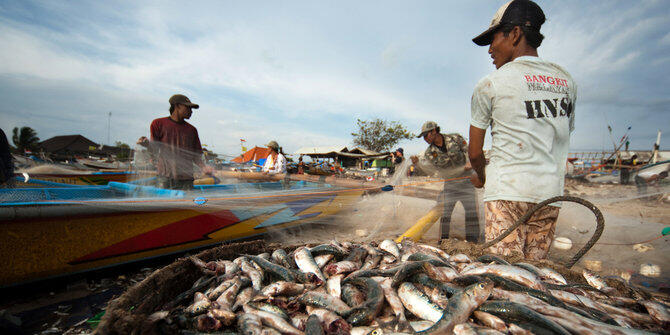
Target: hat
[(273, 145), (182, 100), (428, 126), (400, 150), (516, 12)]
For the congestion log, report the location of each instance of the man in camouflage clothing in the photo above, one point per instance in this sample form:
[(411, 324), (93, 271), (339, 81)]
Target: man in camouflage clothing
[(445, 158)]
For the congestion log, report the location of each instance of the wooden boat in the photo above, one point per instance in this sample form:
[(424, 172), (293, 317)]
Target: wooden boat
[(652, 169), (46, 232), (84, 178)]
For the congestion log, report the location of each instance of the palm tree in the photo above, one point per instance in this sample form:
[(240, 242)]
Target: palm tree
[(26, 138)]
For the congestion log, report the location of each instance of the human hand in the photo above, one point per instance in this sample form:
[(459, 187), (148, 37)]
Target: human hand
[(467, 166), (476, 182), (143, 141)]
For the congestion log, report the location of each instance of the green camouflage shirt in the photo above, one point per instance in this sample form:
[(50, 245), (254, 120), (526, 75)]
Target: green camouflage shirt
[(436, 162)]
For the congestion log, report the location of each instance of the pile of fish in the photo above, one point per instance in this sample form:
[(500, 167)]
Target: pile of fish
[(407, 288)]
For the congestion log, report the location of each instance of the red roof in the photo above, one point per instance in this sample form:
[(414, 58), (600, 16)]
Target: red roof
[(253, 155)]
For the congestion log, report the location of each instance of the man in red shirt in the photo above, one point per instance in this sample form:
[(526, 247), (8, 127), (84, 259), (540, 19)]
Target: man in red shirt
[(176, 145)]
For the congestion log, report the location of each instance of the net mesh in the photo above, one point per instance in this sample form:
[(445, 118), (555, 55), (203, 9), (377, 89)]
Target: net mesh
[(297, 211)]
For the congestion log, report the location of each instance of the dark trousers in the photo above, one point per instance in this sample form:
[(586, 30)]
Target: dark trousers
[(453, 192), (624, 176)]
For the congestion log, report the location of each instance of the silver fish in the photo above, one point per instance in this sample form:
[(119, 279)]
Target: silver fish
[(510, 272), (418, 303), (200, 304), (595, 281), (393, 299), (243, 297), (318, 299), (334, 285), (332, 323), (250, 324), (322, 260), (274, 321), (390, 247), (305, 261), (342, 267), (464, 329), (282, 288), (553, 275), (460, 258), (491, 321), (460, 307), (657, 311), (253, 273)]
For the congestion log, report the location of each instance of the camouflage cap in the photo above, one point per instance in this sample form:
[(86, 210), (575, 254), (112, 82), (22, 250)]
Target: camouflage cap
[(182, 100), (428, 126), (273, 145)]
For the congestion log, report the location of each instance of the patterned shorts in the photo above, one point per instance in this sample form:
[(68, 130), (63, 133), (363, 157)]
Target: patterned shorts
[(531, 239)]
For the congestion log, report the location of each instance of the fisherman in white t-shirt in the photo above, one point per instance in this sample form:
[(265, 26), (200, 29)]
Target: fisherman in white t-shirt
[(529, 104), (275, 162)]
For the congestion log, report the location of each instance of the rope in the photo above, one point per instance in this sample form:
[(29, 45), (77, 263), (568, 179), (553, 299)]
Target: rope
[(600, 222), (647, 241)]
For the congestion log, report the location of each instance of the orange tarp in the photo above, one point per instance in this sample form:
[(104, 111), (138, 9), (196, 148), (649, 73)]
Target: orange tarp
[(253, 155)]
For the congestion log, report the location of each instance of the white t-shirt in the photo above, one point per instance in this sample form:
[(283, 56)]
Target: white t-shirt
[(275, 166), (530, 105)]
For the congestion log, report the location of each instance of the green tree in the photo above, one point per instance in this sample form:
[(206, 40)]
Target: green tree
[(379, 135), (124, 154), (25, 139)]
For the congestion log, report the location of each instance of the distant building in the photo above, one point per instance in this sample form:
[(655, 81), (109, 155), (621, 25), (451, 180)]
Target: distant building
[(68, 146), (341, 155)]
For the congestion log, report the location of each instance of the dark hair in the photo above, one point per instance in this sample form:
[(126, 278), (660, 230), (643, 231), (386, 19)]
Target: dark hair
[(533, 37), (172, 107)]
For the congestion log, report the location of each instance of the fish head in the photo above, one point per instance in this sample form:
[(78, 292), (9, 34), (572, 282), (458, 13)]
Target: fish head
[(376, 331), (479, 292), (312, 278)]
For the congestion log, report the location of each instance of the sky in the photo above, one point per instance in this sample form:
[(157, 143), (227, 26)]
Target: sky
[(302, 72)]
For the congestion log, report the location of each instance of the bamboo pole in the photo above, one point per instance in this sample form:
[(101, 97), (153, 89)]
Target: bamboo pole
[(416, 231)]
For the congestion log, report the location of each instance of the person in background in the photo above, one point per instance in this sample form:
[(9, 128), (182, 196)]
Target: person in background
[(529, 104), (446, 158), (624, 171), (301, 166), (176, 146), (398, 156), (6, 162), (275, 162)]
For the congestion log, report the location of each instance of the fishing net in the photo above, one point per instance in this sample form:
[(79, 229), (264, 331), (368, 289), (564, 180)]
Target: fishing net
[(122, 215)]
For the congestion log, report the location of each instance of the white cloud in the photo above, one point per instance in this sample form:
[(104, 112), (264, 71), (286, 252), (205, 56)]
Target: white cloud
[(303, 73)]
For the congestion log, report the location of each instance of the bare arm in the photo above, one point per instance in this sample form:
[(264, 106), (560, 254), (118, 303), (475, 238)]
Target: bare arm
[(476, 155)]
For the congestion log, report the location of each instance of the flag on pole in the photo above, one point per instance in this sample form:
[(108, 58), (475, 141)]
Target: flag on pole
[(244, 149)]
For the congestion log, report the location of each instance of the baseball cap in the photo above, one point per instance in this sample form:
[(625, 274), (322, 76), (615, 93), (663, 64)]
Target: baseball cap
[(182, 100), (273, 145), (400, 150), (427, 126), (516, 12)]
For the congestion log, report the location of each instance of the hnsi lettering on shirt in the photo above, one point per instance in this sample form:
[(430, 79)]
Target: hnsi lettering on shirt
[(548, 107)]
